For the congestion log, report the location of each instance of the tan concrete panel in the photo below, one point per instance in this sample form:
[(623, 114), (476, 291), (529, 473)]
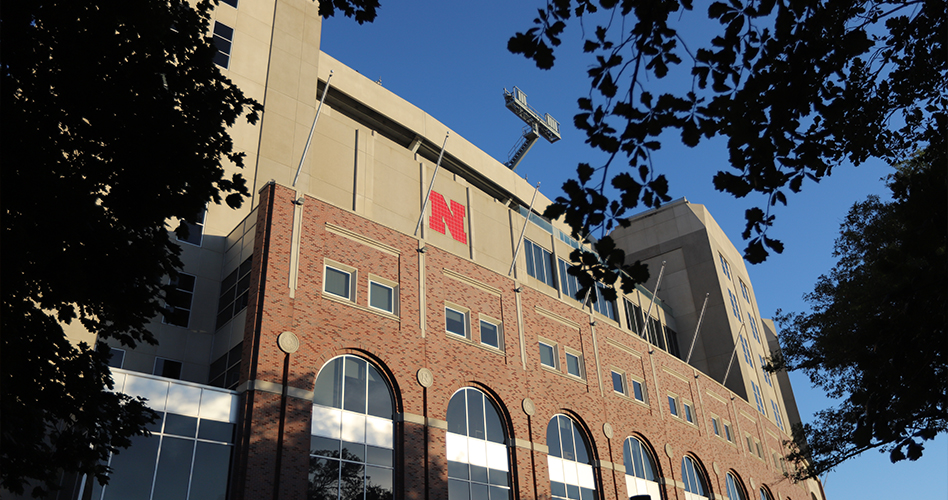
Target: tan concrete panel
[(277, 139), (284, 72), (261, 10)]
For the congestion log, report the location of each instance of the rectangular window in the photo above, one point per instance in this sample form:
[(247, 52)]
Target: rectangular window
[(116, 357), (603, 306), (759, 398), (232, 3), (339, 282), (382, 297), (618, 383), (750, 444), (715, 426), (734, 307), (633, 317), (727, 432), (777, 416), (753, 327), (672, 338), (548, 355), (539, 263), (455, 321), (638, 391), (178, 301), (195, 228), (569, 284), (760, 452), (223, 39), (724, 267), (765, 372), (689, 413), (225, 370), (747, 353), (744, 291), (167, 368), (491, 333), (673, 406), (574, 364), (235, 293)]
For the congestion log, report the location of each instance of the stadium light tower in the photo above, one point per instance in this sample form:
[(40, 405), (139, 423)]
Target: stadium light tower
[(546, 126)]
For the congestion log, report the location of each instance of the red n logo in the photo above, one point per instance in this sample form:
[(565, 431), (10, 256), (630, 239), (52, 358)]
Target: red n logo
[(454, 217)]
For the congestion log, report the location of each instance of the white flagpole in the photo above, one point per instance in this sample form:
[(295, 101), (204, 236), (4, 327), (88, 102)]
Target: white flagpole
[(697, 329), (523, 230), (729, 363), (424, 207), (312, 129)]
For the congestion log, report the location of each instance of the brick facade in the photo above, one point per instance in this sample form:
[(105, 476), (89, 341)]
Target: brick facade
[(399, 345)]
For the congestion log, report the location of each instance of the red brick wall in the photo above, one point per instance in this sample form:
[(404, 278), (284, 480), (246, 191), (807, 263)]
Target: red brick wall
[(399, 347)]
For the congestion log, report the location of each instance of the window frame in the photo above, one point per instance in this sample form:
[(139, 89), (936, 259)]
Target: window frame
[(688, 412), (499, 329), (530, 261), (176, 281), (466, 319), (716, 425), (199, 226), (674, 406), (154, 369), (724, 266), (230, 44), (642, 388), (344, 269), (580, 364), (623, 382), (556, 355), (385, 283)]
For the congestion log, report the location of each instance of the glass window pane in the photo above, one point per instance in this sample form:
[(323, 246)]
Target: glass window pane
[(133, 470), (637, 388), (174, 469), (566, 437), (381, 297), (211, 464), (378, 456), (378, 484), (180, 425), (572, 365), (216, 431), (380, 399), (672, 406), (337, 282), (352, 481), (459, 490), (324, 446), (498, 493), (323, 478), (547, 355), (478, 474), (354, 452), (328, 387), (457, 414), (458, 470), (354, 392), (454, 322), (617, 384), (489, 334), (582, 456), (528, 253), (553, 438), (495, 428), (475, 415)]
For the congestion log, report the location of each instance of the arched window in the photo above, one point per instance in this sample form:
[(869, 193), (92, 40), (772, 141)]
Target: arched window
[(351, 448), (477, 452), (695, 484), (640, 469), (571, 473), (735, 491), (764, 494)]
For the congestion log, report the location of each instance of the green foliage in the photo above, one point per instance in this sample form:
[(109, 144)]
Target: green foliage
[(876, 336), (797, 87), (115, 120)]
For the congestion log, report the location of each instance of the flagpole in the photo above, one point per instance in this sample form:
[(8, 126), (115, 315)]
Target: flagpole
[(697, 328), (312, 129), (424, 207), (523, 230)]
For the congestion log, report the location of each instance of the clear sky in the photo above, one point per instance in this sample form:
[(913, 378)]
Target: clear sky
[(451, 60)]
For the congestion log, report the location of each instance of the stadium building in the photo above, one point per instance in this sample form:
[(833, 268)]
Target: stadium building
[(364, 328)]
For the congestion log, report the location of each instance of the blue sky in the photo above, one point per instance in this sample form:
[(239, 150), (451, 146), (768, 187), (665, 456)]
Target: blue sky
[(450, 59)]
